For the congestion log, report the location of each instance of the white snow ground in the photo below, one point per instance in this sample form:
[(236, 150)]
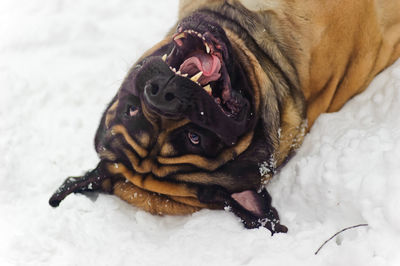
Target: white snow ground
[(62, 61)]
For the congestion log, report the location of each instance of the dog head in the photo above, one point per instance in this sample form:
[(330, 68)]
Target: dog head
[(184, 111), (187, 115)]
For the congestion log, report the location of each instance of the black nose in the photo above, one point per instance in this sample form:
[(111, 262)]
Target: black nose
[(162, 94)]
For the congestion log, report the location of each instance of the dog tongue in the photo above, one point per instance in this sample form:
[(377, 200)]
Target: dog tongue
[(200, 61)]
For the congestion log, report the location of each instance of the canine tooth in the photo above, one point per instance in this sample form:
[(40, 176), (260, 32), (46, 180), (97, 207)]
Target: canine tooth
[(196, 77), (174, 69), (199, 35), (208, 89), (180, 36), (164, 57), (184, 75), (178, 72), (207, 48)]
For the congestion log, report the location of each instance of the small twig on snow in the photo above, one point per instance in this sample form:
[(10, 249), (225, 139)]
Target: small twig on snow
[(347, 228)]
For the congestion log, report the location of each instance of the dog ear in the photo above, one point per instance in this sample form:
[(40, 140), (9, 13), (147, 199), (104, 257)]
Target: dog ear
[(96, 180), (254, 208)]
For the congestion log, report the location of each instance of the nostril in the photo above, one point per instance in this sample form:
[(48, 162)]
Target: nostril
[(154, 89), (151, 89), (169, 96)]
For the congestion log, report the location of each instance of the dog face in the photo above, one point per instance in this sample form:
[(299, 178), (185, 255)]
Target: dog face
[(184, 130), (184, 112)]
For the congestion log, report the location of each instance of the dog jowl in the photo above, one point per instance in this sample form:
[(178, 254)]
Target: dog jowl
[(235, 85)]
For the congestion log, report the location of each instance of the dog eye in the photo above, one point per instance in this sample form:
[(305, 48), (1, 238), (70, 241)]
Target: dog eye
[(133, 110), (194, 138)]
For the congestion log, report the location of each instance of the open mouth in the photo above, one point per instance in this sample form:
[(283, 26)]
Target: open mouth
[(200, 58), (196, 74)]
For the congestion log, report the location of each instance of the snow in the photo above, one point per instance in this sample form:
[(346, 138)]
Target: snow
[(62, 61)]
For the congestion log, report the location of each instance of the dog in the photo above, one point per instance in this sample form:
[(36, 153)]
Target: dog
[(207, 116)]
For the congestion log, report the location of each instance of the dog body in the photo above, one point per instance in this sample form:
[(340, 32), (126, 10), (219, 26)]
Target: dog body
[(234, 87)]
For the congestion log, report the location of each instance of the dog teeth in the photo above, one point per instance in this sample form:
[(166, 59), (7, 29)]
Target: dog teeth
[(196, 77), (178, 72), (208, 89), (207, 48), (192, 32), (180, 36), (164, 57)]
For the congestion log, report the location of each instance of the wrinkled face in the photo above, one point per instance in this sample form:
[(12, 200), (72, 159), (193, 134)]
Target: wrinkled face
[(184, 112)]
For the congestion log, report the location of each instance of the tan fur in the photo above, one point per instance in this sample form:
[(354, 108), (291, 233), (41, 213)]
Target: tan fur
[(148, 165), (111, 112), (119, 129), (292, 128), (144, 140), (211, 164), (336, 47), (152, 202), (149, 183)]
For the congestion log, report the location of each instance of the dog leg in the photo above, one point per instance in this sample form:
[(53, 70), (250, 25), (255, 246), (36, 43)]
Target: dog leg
[(95, 180)]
